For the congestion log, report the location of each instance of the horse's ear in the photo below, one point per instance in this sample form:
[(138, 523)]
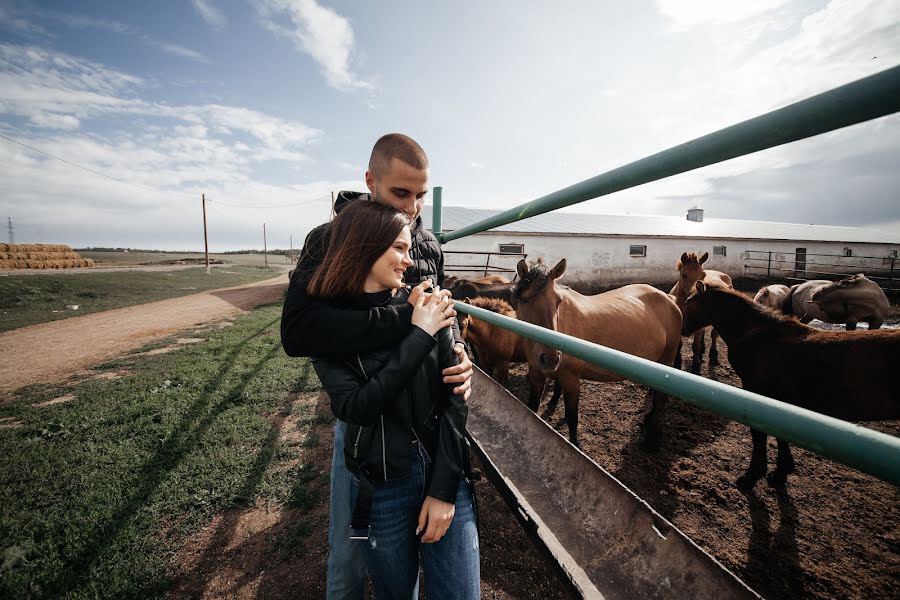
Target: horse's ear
[(704, 258), (557, 271), (701, 287), (467, 300), (522, 268), (683, 259)]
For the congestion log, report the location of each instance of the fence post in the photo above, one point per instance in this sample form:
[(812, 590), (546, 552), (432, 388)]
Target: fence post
[(891, 277), (436, 213), (769, 269)]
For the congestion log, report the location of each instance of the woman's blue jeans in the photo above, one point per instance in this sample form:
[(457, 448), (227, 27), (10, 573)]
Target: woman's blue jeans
[(451, 566)]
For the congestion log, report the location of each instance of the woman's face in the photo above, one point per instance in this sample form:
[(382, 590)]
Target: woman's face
[(387, 272)]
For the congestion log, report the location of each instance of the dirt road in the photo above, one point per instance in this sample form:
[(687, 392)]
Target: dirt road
[(52, 351)]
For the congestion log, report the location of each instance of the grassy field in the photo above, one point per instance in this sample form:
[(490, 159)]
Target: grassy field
[(29, 299), (100, 492), (121, 259)]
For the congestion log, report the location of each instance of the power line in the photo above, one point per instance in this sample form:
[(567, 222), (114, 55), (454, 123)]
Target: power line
[(300, 203), (89, 170)]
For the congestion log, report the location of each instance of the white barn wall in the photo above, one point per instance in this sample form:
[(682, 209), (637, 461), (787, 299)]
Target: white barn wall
[(605, 260)]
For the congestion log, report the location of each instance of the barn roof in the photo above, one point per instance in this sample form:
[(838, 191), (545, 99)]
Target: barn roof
[(455, 217)]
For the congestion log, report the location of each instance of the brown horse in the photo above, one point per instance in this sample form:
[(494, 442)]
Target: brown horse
[(691, 271), (495, 347), (845, 374), (451, 281), (637, 319)]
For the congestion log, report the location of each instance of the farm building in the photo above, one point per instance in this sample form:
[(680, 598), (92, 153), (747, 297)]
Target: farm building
[(619, 249)]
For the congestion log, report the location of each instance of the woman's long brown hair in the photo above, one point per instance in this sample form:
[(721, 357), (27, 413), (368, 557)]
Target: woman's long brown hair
[(357, 238)]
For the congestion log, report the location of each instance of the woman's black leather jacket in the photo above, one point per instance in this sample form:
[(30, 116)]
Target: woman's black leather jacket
[(395, 395)]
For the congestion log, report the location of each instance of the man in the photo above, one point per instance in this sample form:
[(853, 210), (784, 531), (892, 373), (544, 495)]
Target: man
[(397, 177)]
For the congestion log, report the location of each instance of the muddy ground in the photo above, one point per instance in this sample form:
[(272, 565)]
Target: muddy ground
[(833, 533)]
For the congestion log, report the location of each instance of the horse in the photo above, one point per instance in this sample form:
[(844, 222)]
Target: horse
[(691, 270), (638, 319), (772, 296), (469, 289), (848, 301), (495, 347), (774, 355), (451, 281)]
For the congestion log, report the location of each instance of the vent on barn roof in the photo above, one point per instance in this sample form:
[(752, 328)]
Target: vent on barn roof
[(695, 213)]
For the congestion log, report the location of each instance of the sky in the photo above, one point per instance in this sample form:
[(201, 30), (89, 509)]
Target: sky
[(267, 106)]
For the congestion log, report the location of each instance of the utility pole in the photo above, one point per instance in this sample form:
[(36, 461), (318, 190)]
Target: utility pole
[(12, 238), (205, 239), (292, 242), (332, 206), (265, 251)]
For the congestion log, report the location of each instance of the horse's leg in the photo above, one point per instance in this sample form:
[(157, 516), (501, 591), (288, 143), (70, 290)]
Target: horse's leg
[(758, 461), (784, 466), (653, 421), (502, 372), (536, 380), (698, 350), (851, 326), (677, 363), (713, 349), (571, 386), (875, 324), (554, 399)]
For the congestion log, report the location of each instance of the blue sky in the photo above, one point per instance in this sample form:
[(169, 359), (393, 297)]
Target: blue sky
[(271, 104)]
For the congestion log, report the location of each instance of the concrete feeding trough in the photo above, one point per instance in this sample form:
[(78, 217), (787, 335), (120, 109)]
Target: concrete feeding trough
[(605, 541)]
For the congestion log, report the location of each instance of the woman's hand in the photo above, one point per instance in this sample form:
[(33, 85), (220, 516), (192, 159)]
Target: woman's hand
[(432, 312), (434, 519)]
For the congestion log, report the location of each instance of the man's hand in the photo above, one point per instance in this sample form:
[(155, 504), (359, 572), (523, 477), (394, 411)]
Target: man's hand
[(434, 519), (461, 373)]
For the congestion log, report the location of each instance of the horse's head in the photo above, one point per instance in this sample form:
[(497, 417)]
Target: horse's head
[(536, 300), (690, 268), (699, 307)]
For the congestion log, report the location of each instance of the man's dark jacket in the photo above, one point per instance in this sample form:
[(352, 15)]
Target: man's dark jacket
[(312, 327)]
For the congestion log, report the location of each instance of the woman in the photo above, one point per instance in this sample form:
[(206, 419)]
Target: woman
[(405, 441)]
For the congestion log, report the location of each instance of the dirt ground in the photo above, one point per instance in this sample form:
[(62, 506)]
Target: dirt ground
[(52, 351), (833, 533)]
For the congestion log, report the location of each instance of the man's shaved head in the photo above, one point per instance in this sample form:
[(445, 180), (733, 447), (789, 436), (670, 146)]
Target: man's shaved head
[(399, 146)]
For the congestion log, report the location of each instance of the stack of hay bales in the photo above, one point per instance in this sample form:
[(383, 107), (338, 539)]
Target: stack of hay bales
[(41, 256)]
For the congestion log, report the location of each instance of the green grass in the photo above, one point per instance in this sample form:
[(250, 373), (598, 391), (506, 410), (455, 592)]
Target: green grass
[(109, 259), (29, 299), (98, 493)]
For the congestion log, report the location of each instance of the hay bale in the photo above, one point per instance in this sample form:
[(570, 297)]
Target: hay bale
[(7, 264), (88, 262), (4, 248)]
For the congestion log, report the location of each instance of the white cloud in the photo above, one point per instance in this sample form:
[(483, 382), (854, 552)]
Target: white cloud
[(319, 32), (476, 165), (173, 154), (685, 14), (214, 17)]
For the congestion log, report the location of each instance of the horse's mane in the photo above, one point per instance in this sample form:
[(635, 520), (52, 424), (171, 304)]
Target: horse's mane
[(767, 313), (497, 305)]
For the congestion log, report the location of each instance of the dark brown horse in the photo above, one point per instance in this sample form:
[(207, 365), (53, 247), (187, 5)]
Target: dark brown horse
[(470, 289), (690, 271), (637, 319), (844, 374)]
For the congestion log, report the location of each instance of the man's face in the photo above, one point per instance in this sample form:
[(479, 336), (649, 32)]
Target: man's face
[(402, 187)]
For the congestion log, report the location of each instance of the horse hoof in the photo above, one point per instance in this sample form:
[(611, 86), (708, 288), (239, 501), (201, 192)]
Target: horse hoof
[(777, 479), (746, 481), (695, 368), (713, 361)]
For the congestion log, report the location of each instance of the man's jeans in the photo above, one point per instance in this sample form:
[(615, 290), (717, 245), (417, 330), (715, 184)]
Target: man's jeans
[(392, 550), (346, 559)]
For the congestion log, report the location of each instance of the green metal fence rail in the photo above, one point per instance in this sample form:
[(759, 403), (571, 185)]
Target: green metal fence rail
[(858, 447), (869, 98)]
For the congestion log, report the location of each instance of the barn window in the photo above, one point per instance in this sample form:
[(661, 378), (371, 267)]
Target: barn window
[(848, 252), (719, 251), (637, 250), (512, 248)]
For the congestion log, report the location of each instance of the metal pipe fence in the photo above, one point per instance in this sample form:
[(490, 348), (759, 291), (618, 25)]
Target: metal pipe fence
[(861, 448)]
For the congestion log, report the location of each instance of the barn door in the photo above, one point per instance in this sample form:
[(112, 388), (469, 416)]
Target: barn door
[(800, 262)]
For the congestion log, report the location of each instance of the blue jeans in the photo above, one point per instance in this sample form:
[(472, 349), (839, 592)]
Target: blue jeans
[(346, 559), (393, 550)]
